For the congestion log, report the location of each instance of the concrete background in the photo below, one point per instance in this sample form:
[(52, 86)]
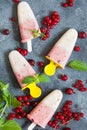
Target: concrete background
[(74, 17)]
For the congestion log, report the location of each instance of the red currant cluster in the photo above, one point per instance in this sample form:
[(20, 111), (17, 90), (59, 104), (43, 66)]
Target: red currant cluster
[(82, 35), (32, 63), (49, 22), (65, 116), (19, 112), (68, 3), (23, 52), (80, 86)]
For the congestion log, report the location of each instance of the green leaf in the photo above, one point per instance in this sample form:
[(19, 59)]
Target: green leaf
[(78, 65), (5, 99), (15, 102), (6, 92), (42, 35), (11, 125), (9, 100), (2, 121), (43, 78), (35, 33), (3, 86), (28, 80)]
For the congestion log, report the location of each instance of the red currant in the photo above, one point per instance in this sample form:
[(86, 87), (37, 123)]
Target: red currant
[(79, 81), (19, 98), (34, 103), (71, 1), (27, 103), (76, 85), (12, 115), (61, 117), (42, 30), (77, 118), (6, 31), (65, 5), (50, 123), (23, 113), (81, 114), (67, 128), (10, 118), (54, 13), (18, 116), (24, 52), (74, 114), (77, 48), (13, 19), (16, 1), (41, 63), (31, 62), (69, 102), (30, 97), (70, 4), (25, 98), (64, 77), (19, 49), (82, 35), (69, 91)]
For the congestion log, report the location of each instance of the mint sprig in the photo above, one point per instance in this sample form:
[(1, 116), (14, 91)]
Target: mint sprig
[(36, 78), (37, 33), (28, 79), (78, 65), (6, 101), (9, 125)]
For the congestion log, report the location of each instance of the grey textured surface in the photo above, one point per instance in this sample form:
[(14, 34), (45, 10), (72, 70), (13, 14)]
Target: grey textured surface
[(74, 17)]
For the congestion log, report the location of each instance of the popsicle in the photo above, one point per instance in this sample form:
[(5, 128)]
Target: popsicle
[(61, 51), (44, 111), (21, 69), (27, 23)]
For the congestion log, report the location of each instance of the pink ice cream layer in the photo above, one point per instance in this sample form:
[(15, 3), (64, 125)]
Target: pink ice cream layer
[(59, 55), (41, 114), (25, 71), (25, 29)]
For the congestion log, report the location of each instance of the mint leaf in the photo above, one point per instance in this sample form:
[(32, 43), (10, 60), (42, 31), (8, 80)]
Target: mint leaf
[(10, 125), (9, 100), (36, 78), (6, 92), (43, 78), (15, 102), (78, 65), (2, 121), (28, 80), (35, 33), (3, 86)]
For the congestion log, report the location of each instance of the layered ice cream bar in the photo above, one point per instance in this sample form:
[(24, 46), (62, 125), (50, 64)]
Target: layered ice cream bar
[(22, 69), (27, 22), (61, 51), (44, 111)]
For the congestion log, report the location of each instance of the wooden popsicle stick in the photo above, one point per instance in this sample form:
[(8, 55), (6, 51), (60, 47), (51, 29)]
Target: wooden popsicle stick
[(29, 46), (31, 126)]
